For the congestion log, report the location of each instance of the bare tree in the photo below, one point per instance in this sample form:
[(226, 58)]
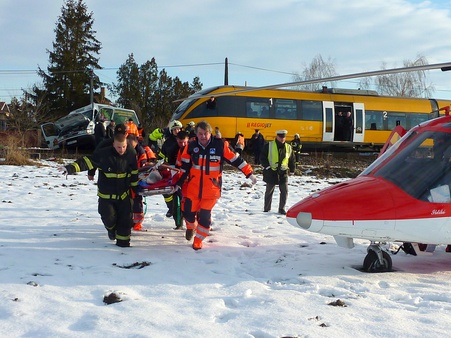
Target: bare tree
[(409, 84), (317, 69)]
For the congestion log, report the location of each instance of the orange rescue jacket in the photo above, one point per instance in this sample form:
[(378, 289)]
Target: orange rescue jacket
[(132, 128), (202, 167)]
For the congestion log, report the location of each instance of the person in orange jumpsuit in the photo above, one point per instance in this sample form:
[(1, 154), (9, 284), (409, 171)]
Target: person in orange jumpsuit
[(131, 127), (202, 161)]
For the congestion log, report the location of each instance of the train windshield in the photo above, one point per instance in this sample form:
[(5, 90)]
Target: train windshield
[(181, 109), (184, 106), (422, 168)]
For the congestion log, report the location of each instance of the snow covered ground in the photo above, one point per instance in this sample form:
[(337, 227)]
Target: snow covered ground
[(257, 276)]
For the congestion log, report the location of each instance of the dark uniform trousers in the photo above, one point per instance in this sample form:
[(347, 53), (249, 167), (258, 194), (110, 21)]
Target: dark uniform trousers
[(116, 216), (283, 188)]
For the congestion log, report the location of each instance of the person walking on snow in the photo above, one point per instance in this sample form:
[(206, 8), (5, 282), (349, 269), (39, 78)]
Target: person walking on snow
[(277, 159), (168, 154), (202, 161), (118, 174)]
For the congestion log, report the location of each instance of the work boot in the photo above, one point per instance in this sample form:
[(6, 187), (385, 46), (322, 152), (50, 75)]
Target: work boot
[(197, 244), (112, 235), (282, 212), (169, 214), (138, 227), (189, 234), (123, 244)]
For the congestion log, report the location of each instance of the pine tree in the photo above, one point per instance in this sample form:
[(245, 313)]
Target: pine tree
[(149, 92), (128, 87), (72, 61)]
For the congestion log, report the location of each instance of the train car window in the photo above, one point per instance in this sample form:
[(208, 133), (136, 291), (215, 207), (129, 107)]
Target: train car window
[(230, 106), (394, 119), (257, 107), (202, 111), (374, 120), (415, 119), (311, 110), (285, 109)]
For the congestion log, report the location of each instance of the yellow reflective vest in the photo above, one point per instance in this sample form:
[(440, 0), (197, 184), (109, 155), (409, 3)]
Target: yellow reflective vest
[(273, 156)]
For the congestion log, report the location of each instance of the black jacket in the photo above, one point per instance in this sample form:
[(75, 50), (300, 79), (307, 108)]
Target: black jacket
[(169, 150), (117, 173)]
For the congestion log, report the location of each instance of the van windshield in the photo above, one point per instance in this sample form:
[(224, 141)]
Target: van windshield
[(122, 116), (88, 114)]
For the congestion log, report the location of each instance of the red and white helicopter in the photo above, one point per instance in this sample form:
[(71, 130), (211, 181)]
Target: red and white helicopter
[(403, 196)]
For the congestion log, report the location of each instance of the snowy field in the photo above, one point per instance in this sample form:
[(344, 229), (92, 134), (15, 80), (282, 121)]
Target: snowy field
[(257, 276)]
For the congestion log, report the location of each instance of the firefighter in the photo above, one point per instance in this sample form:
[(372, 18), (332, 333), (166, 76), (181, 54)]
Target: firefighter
[(190, 127), (202, 162), (118, 174), (168, 153)]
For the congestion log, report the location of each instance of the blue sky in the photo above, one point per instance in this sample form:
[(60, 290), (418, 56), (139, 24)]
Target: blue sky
[(265, 41)]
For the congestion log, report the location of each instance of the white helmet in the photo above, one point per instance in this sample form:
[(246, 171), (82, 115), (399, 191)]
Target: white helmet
[(175, 124), (192, 124)]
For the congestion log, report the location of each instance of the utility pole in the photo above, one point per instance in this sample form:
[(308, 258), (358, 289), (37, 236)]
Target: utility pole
[(91, 87), (226, 72)]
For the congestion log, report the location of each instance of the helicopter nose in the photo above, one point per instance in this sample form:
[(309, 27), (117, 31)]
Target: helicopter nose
[(304, 220)]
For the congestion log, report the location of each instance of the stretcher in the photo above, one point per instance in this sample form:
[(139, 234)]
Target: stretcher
[(157, 180)]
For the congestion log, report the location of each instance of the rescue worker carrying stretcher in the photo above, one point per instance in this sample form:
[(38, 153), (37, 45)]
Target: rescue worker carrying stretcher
[(202, 162), (168, 153), (118, 174)]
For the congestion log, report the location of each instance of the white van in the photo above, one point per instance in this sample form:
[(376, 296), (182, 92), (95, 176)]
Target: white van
[(77, 128)]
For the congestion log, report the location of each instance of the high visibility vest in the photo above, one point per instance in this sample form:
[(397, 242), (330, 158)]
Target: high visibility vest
[(157, 134), (273, 156)]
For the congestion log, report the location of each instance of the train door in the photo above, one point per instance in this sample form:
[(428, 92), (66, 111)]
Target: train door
[(328, 121), (359, 122)]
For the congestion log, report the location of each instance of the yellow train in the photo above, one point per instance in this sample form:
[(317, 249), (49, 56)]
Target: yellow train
[(316, 116)]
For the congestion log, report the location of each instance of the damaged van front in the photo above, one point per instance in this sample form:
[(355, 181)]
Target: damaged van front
[(76, 130)]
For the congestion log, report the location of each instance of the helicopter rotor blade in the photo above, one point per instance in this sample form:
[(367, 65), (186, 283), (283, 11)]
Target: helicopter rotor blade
[(443, 66)]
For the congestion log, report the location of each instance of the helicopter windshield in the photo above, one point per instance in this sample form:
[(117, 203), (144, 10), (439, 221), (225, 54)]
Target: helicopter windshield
[(422, 168)]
